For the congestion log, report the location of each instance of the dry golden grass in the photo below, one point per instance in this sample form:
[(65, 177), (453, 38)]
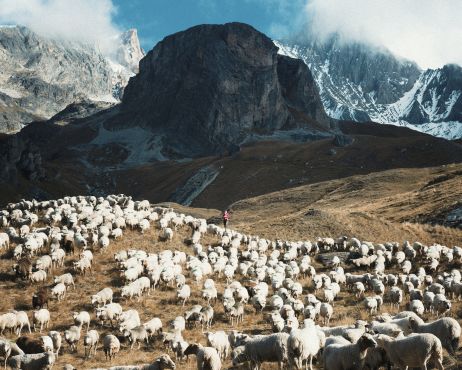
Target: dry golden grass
[(161, 303)]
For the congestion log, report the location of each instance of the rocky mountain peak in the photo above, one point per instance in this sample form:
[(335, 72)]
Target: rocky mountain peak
[(41, 76), (129, 52), (212, 86)]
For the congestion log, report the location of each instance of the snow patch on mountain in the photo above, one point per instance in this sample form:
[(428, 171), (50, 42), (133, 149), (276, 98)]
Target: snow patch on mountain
[(141, 145), (428, 105)]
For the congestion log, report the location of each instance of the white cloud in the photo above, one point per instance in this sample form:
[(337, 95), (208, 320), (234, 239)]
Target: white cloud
[(426, 31), (88, 21)]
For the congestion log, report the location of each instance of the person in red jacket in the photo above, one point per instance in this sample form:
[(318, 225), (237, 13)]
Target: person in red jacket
[(226, 216)]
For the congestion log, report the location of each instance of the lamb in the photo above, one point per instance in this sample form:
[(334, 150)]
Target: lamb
[(59, 291), (265, 348), (103, 297), (39, 276), (183, 293), (153, 326), (447, 330), (43, 263), (371, 304), (326, 311), (82, 266), (343, 357), (109, 312), (57, 257), (303, 345), (417, 307), (81, 318), (57, 340), (47, 343), (22, 320), (137, 334), (90, 342), (207, 357), (66, 279), (72, 337), (111, 346), (32, 361), (413, 351), (220, 341), (5, 349), (129, 320), (441, 304), (206, 316), (41, 317)]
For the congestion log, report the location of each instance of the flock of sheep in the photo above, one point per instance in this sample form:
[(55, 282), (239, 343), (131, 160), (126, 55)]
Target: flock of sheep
[(276, 281)]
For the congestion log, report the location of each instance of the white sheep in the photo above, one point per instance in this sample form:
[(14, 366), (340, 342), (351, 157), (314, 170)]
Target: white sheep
[(22, 320), (447, 330), (303, 345), (413, 351), (39, 276), (348, 356), (136, 335), (41, 317), (32, 361), (57, 341), (183, 294), (220, 341), (326, 311), (90, 342), (111, 346), (103, 297), (264, 348), (109, 312), (72, 337), (66, 279), (47, 343), (207, 357), (417, 306), (153, 326), (81, 318), (59, 291)]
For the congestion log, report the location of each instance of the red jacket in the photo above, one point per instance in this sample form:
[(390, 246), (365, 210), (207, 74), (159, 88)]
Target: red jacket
[(226, 216)]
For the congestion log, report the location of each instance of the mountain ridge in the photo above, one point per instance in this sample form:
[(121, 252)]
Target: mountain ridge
[(361, 83), (41, 76)]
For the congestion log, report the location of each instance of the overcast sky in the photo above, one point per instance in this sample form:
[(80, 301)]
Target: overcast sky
[(426, 31)]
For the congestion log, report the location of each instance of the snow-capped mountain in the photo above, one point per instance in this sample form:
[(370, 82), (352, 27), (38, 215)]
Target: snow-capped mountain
[(363, 83), (39, 77)]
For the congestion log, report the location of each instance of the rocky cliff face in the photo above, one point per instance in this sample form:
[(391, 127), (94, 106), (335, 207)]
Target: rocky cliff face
[(40, 77), (209, 87), (362, 83)]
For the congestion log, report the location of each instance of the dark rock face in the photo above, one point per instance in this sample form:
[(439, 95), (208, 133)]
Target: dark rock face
[(16, 155), (207, 88)]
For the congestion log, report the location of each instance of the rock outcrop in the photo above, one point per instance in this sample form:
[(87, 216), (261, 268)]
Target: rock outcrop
[(207, 88)]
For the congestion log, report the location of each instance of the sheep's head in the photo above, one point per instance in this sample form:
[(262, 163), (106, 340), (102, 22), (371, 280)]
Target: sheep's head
[(366, 341), (413, 324), (192, 349), (381, 339), (165, 362)]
